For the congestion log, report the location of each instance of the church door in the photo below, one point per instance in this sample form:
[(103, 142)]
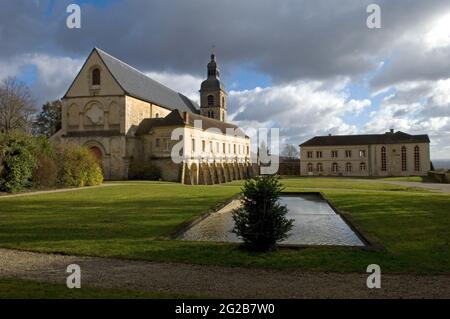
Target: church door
[(97, 154)]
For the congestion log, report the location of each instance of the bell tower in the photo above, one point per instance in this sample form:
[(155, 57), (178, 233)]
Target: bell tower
[(213, 97)]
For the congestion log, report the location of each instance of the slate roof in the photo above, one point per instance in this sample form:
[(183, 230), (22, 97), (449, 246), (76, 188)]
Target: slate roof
[(387, 138), (138, 85), (175, 118)]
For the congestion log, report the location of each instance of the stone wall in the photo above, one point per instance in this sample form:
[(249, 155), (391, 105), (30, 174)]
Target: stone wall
[(113, 149)]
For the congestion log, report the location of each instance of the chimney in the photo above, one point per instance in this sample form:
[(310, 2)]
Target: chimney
[(392, 131), (329, 134)]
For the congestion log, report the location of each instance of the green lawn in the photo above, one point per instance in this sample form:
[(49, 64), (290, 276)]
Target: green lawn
[(128, 220), (24, 289), (419, 179)]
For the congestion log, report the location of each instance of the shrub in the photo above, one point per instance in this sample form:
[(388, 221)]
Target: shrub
[(144, 171), (77, 167), (46, 172), (17, 154), (261, 221)]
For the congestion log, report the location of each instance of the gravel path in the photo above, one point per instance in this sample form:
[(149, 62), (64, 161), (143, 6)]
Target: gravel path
[(225, 282), (445, 188), (441, 187), (60, 190)]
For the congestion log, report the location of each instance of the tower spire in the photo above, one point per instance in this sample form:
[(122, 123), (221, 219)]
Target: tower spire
[(212, 92)]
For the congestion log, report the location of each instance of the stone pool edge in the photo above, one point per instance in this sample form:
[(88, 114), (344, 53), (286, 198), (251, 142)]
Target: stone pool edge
[(369, 243), (184, 226)]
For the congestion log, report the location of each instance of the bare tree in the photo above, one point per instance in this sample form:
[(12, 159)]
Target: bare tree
[(290, 152), (16, 106)]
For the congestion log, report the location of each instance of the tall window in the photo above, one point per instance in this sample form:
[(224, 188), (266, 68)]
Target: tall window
[(96, 77), (362, 153), (310, 154), (210, 100), (383, 159), (310, 167), (334, 167), (404, 165), (224, 149), (334, 154), (319, 167), (166, 144), (348, 154), (362, 167), (319, 154), (193, 145), (348, 167), (416, 158), (203, 146)]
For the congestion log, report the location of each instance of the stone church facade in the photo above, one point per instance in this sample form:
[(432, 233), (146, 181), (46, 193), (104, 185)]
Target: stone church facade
[(388, 154), (125, 117)]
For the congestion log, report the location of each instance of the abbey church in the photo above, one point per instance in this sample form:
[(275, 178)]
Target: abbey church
[(125, 117)]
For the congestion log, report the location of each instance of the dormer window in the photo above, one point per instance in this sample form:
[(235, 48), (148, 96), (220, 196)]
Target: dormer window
[(96, 77)]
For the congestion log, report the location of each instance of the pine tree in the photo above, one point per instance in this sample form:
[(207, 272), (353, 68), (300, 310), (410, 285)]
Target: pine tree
[(48, 121), (261, 221)]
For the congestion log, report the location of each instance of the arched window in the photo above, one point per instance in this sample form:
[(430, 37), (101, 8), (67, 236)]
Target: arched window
[(319, 167), (335, 167), (96, 76), (310, 167), (157, 115), (223, 101), (348, 167), (404, 165), (383, 159), (362, 166), (212, 114), (210, 100), (416, 158)]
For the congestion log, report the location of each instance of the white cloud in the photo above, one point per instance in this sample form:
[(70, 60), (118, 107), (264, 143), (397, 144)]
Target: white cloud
[(438, 35), (300, 109), (10, 67), (186, 84), (417, 108), (55, 74)]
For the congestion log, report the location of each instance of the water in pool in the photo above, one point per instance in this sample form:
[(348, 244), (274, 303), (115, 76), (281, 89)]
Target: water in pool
[(315, 223)]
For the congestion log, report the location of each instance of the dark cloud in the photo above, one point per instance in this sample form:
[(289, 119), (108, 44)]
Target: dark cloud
[(288, 40)]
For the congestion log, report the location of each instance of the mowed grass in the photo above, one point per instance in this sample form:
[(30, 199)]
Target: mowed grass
[(127, 221), (338, 183), (418, 179), (11, 288)]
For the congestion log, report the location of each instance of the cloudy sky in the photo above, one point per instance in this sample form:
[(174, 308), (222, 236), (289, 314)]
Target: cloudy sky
[(309, 67)]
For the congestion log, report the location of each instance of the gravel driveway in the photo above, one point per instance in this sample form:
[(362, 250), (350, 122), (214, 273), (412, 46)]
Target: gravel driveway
[(214, 281)]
